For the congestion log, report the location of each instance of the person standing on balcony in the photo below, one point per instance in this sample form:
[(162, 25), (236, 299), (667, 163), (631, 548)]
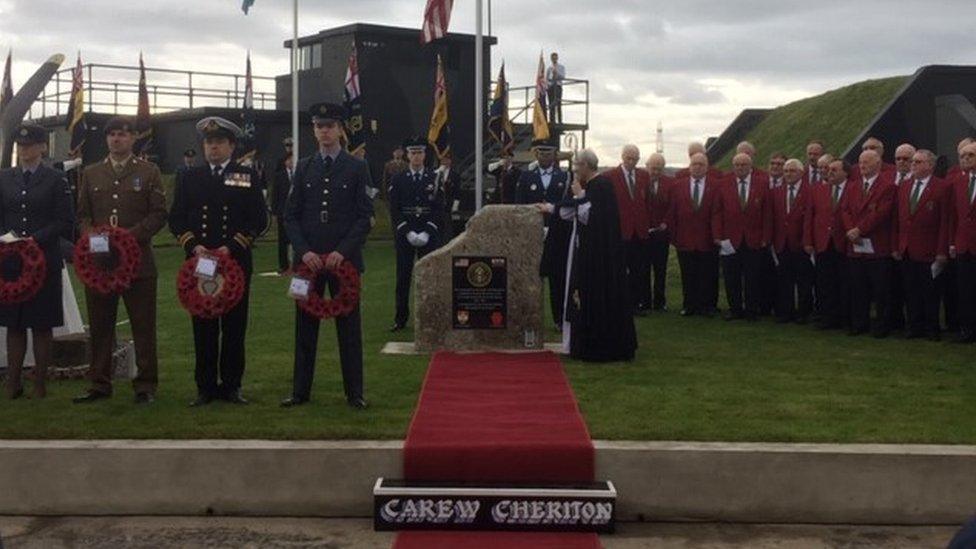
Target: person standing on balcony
[(555, 75)]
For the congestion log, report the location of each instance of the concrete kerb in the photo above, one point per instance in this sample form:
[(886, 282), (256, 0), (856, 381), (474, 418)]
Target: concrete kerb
[(661, 481)]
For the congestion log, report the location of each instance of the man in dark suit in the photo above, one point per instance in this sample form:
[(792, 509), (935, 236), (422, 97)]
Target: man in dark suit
[(868, 224), (694, 208), (547, 185), (823, 237), (218, 208), (449, 184), (279, 196), (506, 175), (795, 271), (416, 210), (746, 224), (631, 187), (328, 216), (962, 241), (659, 189), (922, 225)]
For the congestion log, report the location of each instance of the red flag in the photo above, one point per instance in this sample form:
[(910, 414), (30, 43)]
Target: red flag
[(7, 87), (437, 16)]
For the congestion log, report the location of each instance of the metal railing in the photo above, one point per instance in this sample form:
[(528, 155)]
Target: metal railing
[(115, 89), (575, 103)]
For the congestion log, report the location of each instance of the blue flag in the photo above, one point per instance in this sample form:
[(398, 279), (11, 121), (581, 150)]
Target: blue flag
[(247, 5)]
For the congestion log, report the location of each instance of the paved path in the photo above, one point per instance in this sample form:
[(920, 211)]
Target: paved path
[(189, 532)]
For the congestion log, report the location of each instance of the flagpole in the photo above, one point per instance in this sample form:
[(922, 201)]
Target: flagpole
[(479, 118), (294, 83)]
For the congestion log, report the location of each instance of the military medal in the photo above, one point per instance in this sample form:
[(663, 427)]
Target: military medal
[(137, 184), (533, 187)]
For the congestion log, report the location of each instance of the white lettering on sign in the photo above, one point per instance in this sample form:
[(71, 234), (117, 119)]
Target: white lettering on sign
[(552, 512), (445, 511)]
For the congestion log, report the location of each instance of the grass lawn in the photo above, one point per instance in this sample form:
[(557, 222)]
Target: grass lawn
[(694, 379)]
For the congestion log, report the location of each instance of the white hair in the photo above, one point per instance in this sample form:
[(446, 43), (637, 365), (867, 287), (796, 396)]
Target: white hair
[(793, 162), (589, 158)]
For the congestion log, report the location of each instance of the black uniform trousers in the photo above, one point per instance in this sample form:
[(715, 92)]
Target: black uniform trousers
[(743, 285), (659, 247), (966, 288), (794, 296), (699, 272), (219, 345), (832, 287), (349, 331), (870, 278), (638, 272), (406, 254), (950, 294), (922, 294), (283, 261), (555, 96), (898, 305), (769, 290), (557, 295)]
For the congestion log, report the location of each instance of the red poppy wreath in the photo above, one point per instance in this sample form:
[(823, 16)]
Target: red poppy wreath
[(108, 277), (33, 269), (345, 300), (210, 297)]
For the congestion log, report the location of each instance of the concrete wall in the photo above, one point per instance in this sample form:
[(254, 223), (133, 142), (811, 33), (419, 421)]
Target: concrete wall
[(791, 483)]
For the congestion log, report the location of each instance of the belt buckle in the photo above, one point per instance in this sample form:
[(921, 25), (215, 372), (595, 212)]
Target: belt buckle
[(324, 216), (113, 220)]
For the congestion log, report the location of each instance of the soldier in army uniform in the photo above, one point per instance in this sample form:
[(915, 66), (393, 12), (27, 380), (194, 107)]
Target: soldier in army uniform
[(416, 207), (218, 208), (123, 191), (329, 213)]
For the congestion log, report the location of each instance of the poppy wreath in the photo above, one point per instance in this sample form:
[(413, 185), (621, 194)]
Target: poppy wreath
[(228, 285), (33, 269), (343, 303), (103, 279)]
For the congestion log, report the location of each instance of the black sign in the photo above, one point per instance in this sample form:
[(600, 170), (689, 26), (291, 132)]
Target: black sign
[(480, 293), (401, 506)]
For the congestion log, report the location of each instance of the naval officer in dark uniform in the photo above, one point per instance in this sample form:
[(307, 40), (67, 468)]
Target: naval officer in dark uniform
[(329, 213), (218, 208), (416, 206), (547, 186), (35, 204)]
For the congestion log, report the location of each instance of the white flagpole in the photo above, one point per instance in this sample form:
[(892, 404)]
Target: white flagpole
[(479, 118), (294, 84)]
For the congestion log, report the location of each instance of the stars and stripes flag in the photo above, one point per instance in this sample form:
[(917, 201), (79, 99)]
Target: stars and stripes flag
[(7, 88), (540, 126), (437, 16), (355, 129), (77, 128), (247, 5), (144, 131), (499, 124), (439, 135), (247, 146)]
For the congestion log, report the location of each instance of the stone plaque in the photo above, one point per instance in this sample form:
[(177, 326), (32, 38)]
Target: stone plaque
[(480, 292)]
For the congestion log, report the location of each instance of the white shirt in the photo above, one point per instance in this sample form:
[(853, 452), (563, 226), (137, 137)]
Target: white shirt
[(630, 179), (796, 193), (921, 191), (870, 181), (775, 182), (555, 74), (223, 166), (738, 185), (545, 175), (972, 195), (691, 188), (902, 177)]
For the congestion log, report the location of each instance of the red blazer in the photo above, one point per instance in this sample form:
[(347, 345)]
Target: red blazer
[(635, 219), (823, 226), (924, 234), (713, 174), (954, 172), (788, 227), (963, 219), (754, 225), (657, 206), (886, 169), (806, 175), (873, 214), (691, 229)]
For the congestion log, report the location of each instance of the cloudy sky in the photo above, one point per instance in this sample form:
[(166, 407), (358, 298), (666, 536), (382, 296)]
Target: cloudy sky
[(690, 64)]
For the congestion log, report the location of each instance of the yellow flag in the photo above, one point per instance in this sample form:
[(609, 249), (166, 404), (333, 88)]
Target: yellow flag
[(439, 134), (540, 126)]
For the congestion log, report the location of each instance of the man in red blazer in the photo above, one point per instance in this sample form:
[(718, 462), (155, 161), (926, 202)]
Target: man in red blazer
[(697, 148), (922, 244), (811, 171), (869, 224), (659, 189), (630, 186), (768, 296), (795, 271), (903, 175), (962, 241), (746, 223), (875, 144), (958, 169), (823, 237), (694, 208), (748, 148)]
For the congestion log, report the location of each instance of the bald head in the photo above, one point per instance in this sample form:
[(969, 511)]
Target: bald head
[(655, 165), (742, 165), (746, 148), (695, 148), (964, 143), (869, 163), (903, 158), (873, 144), (629, 157), (967, 157), (698, 165)]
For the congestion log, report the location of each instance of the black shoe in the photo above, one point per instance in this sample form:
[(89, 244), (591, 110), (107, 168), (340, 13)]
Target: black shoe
[(202, 400), (90, 396), (880, 334), (687, 312), (359, 403), (965, 338), (145, 398), (914, 334), (856, 332), (783, 320), (17, 394), (235, 397), (801, 320), (934, 337), (397, 326), (293, 401)]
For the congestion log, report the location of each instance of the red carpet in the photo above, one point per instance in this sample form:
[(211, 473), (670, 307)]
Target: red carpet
[(497, 418)]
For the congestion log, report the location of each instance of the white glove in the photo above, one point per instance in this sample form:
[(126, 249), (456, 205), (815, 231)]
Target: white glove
[(71, 164), (412, 238), (422, 239)]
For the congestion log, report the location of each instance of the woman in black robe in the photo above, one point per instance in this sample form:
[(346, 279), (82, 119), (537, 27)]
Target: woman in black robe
[(598, 307)]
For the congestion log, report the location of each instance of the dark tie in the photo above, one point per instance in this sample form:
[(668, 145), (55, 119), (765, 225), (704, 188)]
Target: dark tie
[(630, 183), (216, 171), (867, 186), (791, 199), (913, 200), (972, 185), (743, 194), (836, 196), (27, 177), (327, 161), (696, 196)]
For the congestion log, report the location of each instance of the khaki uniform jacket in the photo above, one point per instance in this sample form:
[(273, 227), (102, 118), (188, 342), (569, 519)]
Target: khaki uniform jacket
[(133, 199)]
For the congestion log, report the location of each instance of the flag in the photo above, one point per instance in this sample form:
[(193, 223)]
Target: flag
[(144, 132), (499, 124), (540, 126), (77, 128), (437, 16), (7, 88), (247, 5), (247, 146), (439, 135), (355, 130)]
